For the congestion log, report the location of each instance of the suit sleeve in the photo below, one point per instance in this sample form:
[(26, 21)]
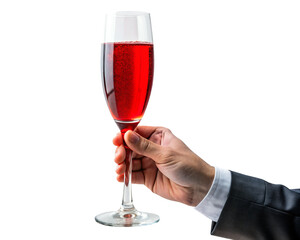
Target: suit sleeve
[(256, 209)]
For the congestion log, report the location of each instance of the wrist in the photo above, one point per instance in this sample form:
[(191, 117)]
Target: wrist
[(206, 178)]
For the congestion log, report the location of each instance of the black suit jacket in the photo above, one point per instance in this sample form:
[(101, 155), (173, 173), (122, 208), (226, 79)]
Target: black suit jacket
[(257, 210)]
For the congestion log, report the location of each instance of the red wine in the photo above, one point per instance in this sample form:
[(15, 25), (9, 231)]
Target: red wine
[(127, 69)]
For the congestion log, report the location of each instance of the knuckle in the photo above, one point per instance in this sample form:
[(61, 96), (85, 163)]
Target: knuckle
[(167, 130), (146, 145), (168, 154)]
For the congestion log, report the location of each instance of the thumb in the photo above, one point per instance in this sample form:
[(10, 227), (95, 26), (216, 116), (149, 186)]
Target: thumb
[(142, 146)]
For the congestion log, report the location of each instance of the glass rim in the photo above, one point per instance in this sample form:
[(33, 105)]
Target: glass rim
[(128, 13)]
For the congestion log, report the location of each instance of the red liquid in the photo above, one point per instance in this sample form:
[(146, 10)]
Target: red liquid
[(127, 70)]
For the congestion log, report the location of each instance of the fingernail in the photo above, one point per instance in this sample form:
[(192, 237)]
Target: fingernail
[(133, 137)]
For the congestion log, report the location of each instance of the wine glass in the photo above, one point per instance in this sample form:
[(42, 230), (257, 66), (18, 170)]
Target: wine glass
[(127, 74)]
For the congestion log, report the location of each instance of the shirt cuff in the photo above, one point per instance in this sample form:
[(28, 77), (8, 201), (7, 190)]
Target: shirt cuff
[(212, 204)]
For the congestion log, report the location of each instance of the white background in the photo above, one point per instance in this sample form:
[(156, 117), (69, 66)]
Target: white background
[(226, 82)]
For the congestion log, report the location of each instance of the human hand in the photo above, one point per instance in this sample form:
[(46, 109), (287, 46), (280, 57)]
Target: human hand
[(164, 164)]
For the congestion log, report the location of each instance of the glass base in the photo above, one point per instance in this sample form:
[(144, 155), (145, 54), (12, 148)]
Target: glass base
[(128, 218)]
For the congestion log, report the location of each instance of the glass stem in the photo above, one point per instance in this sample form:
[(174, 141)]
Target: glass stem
[(127, 202)]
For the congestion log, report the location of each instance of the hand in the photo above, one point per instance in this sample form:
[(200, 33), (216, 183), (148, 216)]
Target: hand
[(164, 164)]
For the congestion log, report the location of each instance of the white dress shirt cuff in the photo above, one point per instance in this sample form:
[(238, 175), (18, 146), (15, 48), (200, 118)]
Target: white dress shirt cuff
[(212, 204)]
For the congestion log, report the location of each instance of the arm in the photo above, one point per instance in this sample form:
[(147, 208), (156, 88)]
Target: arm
[(256, 209), (251, 208)]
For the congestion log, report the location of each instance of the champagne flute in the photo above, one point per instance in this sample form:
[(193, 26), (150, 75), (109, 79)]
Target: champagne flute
[(127, 75)]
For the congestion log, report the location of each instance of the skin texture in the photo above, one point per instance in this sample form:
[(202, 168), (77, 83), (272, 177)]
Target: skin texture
[(164, 164)]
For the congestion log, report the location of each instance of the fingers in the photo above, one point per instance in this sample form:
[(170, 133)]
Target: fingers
[(142, 145), (117, 140), (136, 178), (120, 154), (120, 151), (145, 131), (136, 166)]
